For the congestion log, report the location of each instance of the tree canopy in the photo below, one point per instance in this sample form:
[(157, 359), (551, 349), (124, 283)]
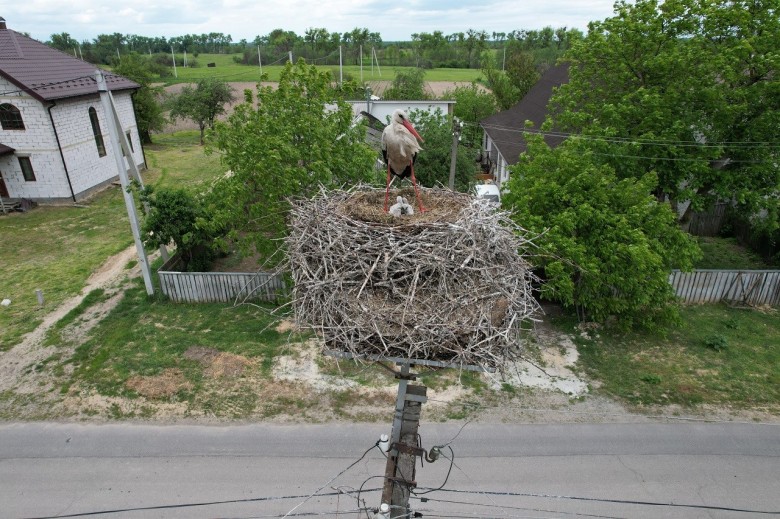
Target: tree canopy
[(203, 103), (147, 99), (298, 138), (687, 89), (606, 246)]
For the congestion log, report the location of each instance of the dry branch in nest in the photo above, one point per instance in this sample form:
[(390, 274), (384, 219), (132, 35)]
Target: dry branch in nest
[(450, 284)]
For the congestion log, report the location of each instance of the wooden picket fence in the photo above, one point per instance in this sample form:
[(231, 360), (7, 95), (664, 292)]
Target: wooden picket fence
[(751, 287), (212, 287)]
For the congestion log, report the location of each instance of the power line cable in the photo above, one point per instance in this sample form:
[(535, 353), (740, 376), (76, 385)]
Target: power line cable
[(631, 140), (180, 505), (316, 492), (616, 501), (602, 414), (47, 85), (507, 507)]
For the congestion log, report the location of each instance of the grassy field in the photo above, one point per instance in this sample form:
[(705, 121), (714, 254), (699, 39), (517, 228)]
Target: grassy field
[(55, 249), (726, 253), (148, 348), (720, 355), (231, 71)]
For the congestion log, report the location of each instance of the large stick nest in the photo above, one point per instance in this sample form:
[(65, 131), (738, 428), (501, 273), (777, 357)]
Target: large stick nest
[(450, 284)]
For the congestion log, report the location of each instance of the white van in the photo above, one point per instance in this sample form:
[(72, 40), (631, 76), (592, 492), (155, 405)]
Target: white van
[(488, 192)]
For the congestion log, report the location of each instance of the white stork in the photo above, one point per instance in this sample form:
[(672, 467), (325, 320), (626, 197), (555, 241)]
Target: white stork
[(399, 149)]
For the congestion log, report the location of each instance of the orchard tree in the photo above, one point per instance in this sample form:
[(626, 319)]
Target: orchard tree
[(407, 84), (605, 245), (299, 138), (687, 89), (202, 104)]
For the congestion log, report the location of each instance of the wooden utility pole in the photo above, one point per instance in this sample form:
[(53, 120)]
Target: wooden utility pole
[(402, 457)]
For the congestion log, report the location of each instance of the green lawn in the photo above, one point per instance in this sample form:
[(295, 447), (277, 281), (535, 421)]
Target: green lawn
[(727, 254), (55, 249), (720, 355), (230, 71)]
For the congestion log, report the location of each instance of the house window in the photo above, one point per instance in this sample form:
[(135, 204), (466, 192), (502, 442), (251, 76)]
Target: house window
[(130, 141), (27, 169), (10, 117), (93, 118)]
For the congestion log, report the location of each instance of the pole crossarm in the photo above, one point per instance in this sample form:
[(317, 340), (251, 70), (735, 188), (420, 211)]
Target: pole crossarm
[(411, 362)]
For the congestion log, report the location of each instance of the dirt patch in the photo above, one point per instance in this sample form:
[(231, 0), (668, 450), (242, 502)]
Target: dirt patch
[(15, 364), (218, 364), (164, 385), (435, 89), (286, 326)]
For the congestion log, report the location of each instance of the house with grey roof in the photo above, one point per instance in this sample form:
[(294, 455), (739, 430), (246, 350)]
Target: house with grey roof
[(503, 141), (54, 143)]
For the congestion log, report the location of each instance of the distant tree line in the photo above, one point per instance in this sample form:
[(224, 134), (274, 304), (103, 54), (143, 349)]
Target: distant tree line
[(321, 47)]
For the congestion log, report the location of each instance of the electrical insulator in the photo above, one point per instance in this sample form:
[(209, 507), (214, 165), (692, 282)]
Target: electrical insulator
[(434, 454), (384, 512), (384, 443)]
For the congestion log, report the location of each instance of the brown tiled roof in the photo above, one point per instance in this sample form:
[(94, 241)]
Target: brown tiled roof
[(48, 74), (505, 128)]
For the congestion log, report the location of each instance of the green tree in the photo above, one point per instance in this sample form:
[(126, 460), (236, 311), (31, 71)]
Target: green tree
[(407, 84), (605, 244), (687, 89), (507, 94), (175, 215), (202, 104), (146, 100), (299, 138), (63, 42), (472, 104), (432, 167), (521, 70)]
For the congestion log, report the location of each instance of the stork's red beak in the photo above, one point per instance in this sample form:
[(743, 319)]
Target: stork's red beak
[(411, 129)]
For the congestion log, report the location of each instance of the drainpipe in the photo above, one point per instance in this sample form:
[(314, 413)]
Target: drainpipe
[(62, 155)]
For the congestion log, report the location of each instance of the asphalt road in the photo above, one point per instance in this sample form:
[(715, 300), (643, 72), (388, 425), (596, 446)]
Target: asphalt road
[(507, 471)]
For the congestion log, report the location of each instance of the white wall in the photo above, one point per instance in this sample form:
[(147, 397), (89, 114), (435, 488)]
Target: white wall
[(86, 169), (382, 110)]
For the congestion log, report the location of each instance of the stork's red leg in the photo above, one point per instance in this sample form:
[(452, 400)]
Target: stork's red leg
[(416, 191), (387, 187)]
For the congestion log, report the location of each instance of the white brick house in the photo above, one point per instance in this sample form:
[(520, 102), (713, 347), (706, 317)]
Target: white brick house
[(54, 141)]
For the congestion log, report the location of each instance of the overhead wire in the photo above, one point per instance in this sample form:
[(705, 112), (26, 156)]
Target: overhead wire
[(603, 414), (615, 501), (508, 507), (45, 85), (179, 506), (629, 140), (331, 480)]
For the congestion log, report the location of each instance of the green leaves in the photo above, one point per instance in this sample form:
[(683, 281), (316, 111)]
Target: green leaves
[(295, 139), (687, 89), (606, 244), (203, 103)]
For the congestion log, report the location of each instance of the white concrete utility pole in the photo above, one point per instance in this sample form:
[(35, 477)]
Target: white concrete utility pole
[(115, 131)]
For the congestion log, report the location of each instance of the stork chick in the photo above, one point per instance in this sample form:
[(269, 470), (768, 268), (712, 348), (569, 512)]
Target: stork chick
[(401, 207), (399, 149)]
